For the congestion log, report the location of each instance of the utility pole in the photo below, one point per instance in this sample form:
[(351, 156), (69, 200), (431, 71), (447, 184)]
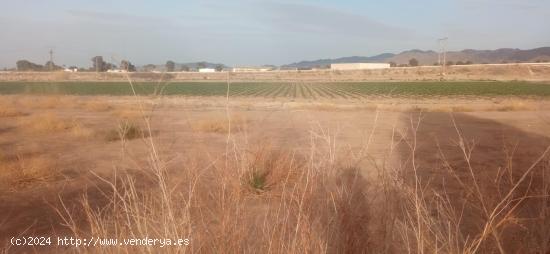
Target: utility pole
[(51, 60), (442, 52)]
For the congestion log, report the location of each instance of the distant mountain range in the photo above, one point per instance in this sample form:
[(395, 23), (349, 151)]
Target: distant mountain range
[(429, 57), (349, 59), (505, 55)]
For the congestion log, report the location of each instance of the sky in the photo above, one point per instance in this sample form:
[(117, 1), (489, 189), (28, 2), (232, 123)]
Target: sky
[(258, 32)]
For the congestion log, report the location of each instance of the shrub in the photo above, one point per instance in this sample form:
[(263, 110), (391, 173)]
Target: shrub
[(125, 131)]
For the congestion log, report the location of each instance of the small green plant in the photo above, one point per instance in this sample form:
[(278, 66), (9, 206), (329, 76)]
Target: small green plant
[(257, 181)]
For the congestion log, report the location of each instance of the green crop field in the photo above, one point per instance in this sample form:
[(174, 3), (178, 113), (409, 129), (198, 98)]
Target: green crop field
[(285, 90)]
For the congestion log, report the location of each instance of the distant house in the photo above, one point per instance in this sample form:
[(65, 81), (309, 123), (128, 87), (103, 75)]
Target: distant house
[(287, 68), (207, 70), (359, 66), (117, 71), (71, 69)]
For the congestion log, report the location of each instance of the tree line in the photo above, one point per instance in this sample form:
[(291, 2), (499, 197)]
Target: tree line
[(413, 62), (100, 65)]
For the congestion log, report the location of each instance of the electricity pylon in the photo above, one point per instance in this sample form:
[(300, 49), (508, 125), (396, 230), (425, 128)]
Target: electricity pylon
[(442, 52)]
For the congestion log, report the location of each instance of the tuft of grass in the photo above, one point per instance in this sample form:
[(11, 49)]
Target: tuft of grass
[(258, 180), (80, 131), (127, 114), (23, 172), (125, 131)]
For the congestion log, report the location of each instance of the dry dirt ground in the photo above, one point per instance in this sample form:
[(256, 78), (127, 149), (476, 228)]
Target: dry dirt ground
[(54, 149)]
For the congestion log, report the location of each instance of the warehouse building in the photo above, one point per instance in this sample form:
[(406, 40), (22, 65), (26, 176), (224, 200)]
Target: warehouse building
[(252, 69), (359, 66), (207, 70)]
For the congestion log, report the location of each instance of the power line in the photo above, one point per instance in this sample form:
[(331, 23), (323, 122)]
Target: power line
[(51, 60), (442, 53)]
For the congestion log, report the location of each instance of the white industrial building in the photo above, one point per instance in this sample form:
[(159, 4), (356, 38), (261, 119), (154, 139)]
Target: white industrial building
[(359, 66), (251, 69), (207, 70)]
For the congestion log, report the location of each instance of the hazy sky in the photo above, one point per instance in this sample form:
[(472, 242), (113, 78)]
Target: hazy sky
[(246, 32)]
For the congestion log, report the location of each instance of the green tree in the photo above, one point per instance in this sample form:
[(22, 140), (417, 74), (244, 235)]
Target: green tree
[(185, 68), (124, 65), (219, 67), (24, 65), (170, 66), (127, 66), (50, 66), (99, 65), (201, 65), (131, 67), (413, 62), (149, 67)]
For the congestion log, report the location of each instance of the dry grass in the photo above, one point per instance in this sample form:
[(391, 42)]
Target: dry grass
[(46, 102), (505, 106), (317, 106), (26, 171), (10, 112), (473, 210), (293, 208), (221, 125), (45, 123), (260, 199), (514, 105), (125, 131), (8, 107), (267, 200), (93, 106), (79, 130), (129, 114)]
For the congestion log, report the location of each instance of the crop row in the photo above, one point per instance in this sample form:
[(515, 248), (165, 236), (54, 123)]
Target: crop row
[(356, 90)]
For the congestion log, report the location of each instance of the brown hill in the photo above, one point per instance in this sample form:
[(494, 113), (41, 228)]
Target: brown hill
[(476, 56), (505, 55)]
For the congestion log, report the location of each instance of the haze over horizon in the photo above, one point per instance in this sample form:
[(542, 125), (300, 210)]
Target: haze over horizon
[(246, 32)]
